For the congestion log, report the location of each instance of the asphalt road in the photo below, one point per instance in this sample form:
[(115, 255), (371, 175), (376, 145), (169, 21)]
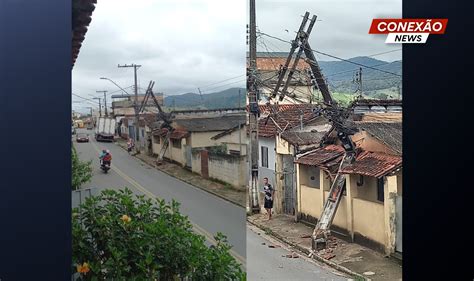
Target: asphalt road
[(208, 213), (265, 263)]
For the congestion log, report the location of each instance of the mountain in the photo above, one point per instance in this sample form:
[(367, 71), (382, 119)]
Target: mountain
[(340, 75), (223, 99)]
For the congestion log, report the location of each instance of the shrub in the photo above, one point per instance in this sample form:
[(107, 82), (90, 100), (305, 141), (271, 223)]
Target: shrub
[(120, 236), (81, 171)]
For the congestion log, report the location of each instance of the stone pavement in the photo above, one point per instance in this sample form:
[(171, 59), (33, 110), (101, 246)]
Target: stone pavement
[(347, 257)]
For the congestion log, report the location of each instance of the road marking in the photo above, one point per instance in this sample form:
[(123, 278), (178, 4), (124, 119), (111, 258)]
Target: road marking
[(209, 237)]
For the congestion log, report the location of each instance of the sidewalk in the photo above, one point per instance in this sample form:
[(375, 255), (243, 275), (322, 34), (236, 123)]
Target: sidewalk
[(223, 191), (350, 258)]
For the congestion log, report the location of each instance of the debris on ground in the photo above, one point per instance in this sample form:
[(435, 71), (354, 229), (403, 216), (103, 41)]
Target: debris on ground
[(369, 273), (329, 256), (263, 243), (273, 246), (291, 256), (306, 236)]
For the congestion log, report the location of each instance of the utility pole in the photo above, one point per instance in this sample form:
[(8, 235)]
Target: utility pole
[(253, 109), (137, 129), (105, 101), (100, 107), (358, 80)]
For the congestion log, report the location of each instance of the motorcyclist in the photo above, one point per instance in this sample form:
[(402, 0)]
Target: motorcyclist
[(105, 157)]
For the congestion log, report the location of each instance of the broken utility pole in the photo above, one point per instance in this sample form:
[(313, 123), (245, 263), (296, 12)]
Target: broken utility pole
[(105, 101), (161, 115), (253, 109), (137, 118), (338, 116), (100, 106)]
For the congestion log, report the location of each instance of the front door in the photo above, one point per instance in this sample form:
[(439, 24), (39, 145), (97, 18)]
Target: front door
[(288, 186), (188, 155), (205, 164)]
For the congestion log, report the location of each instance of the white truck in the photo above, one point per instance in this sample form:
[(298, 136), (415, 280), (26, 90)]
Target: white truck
[(105, 129)]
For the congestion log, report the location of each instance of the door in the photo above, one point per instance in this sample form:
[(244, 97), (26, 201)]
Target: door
[(205, 164), (131, 132), (188, 156), (398, 224), (288, 186)]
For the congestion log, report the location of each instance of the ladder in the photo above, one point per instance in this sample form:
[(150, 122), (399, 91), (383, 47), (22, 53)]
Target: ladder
[(166, 143)]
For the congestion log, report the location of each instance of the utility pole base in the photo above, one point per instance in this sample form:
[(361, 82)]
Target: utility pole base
[(319, 241)]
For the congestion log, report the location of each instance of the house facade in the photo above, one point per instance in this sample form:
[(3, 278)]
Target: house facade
[(214, 147), (273, 161), (370, 209)]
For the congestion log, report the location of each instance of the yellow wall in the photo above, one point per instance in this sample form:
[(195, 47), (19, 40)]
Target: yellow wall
[(311, 201), (282, 146), (358, 212), (368, 143), (368, 191), (369, 219)]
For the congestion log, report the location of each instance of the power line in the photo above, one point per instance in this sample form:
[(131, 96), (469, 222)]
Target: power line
[(331, 56), (215, 83), (84, 98)]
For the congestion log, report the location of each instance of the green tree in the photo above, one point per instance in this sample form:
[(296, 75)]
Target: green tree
[(120, 236), (81, 171)]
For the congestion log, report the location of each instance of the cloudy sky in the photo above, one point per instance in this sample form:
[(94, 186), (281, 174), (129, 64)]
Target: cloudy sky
[(183, 45)]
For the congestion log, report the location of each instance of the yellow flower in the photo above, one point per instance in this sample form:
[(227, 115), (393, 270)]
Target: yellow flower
[(84, 268), (126, 219)]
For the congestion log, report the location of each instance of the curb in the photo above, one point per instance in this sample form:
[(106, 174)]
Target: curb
[(277, 236), (188, 182)]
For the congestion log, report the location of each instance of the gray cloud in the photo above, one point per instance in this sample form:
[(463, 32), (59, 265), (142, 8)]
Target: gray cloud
[(341, 30), (181, 45), (185, 44)]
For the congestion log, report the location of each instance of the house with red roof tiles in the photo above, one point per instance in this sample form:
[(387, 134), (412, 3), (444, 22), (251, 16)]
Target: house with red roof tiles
[(370, 210)]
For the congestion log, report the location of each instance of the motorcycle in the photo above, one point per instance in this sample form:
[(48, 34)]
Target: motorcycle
[(105, 166)]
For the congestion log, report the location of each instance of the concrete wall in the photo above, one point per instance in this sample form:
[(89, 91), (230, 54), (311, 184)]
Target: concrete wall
[(228, 168), (360, 215), (203, 139), (369, 220), (270, 171), (310, 201), (369, 143)]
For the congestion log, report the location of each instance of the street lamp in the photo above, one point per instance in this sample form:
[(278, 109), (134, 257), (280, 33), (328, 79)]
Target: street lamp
[(105, 78)]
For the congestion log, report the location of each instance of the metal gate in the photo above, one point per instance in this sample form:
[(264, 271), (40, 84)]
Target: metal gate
[(79, 196), (288, 186), (398, 224), (188, 156), (205, 164)]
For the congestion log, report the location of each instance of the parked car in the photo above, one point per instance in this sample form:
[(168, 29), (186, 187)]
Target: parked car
[(82, 138)]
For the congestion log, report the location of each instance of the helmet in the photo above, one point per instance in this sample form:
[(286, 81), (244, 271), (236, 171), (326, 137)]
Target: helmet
[(108, 151)]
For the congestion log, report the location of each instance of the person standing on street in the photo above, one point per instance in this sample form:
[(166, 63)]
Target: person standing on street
[(129, 145), (269, 192)]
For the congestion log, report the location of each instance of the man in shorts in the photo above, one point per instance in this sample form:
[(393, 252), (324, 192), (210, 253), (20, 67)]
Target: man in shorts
[(269, 192)]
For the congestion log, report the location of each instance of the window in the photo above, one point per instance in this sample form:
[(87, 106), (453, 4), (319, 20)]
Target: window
[(380, 189), (234, 152), (176, 143), (264, 156)]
